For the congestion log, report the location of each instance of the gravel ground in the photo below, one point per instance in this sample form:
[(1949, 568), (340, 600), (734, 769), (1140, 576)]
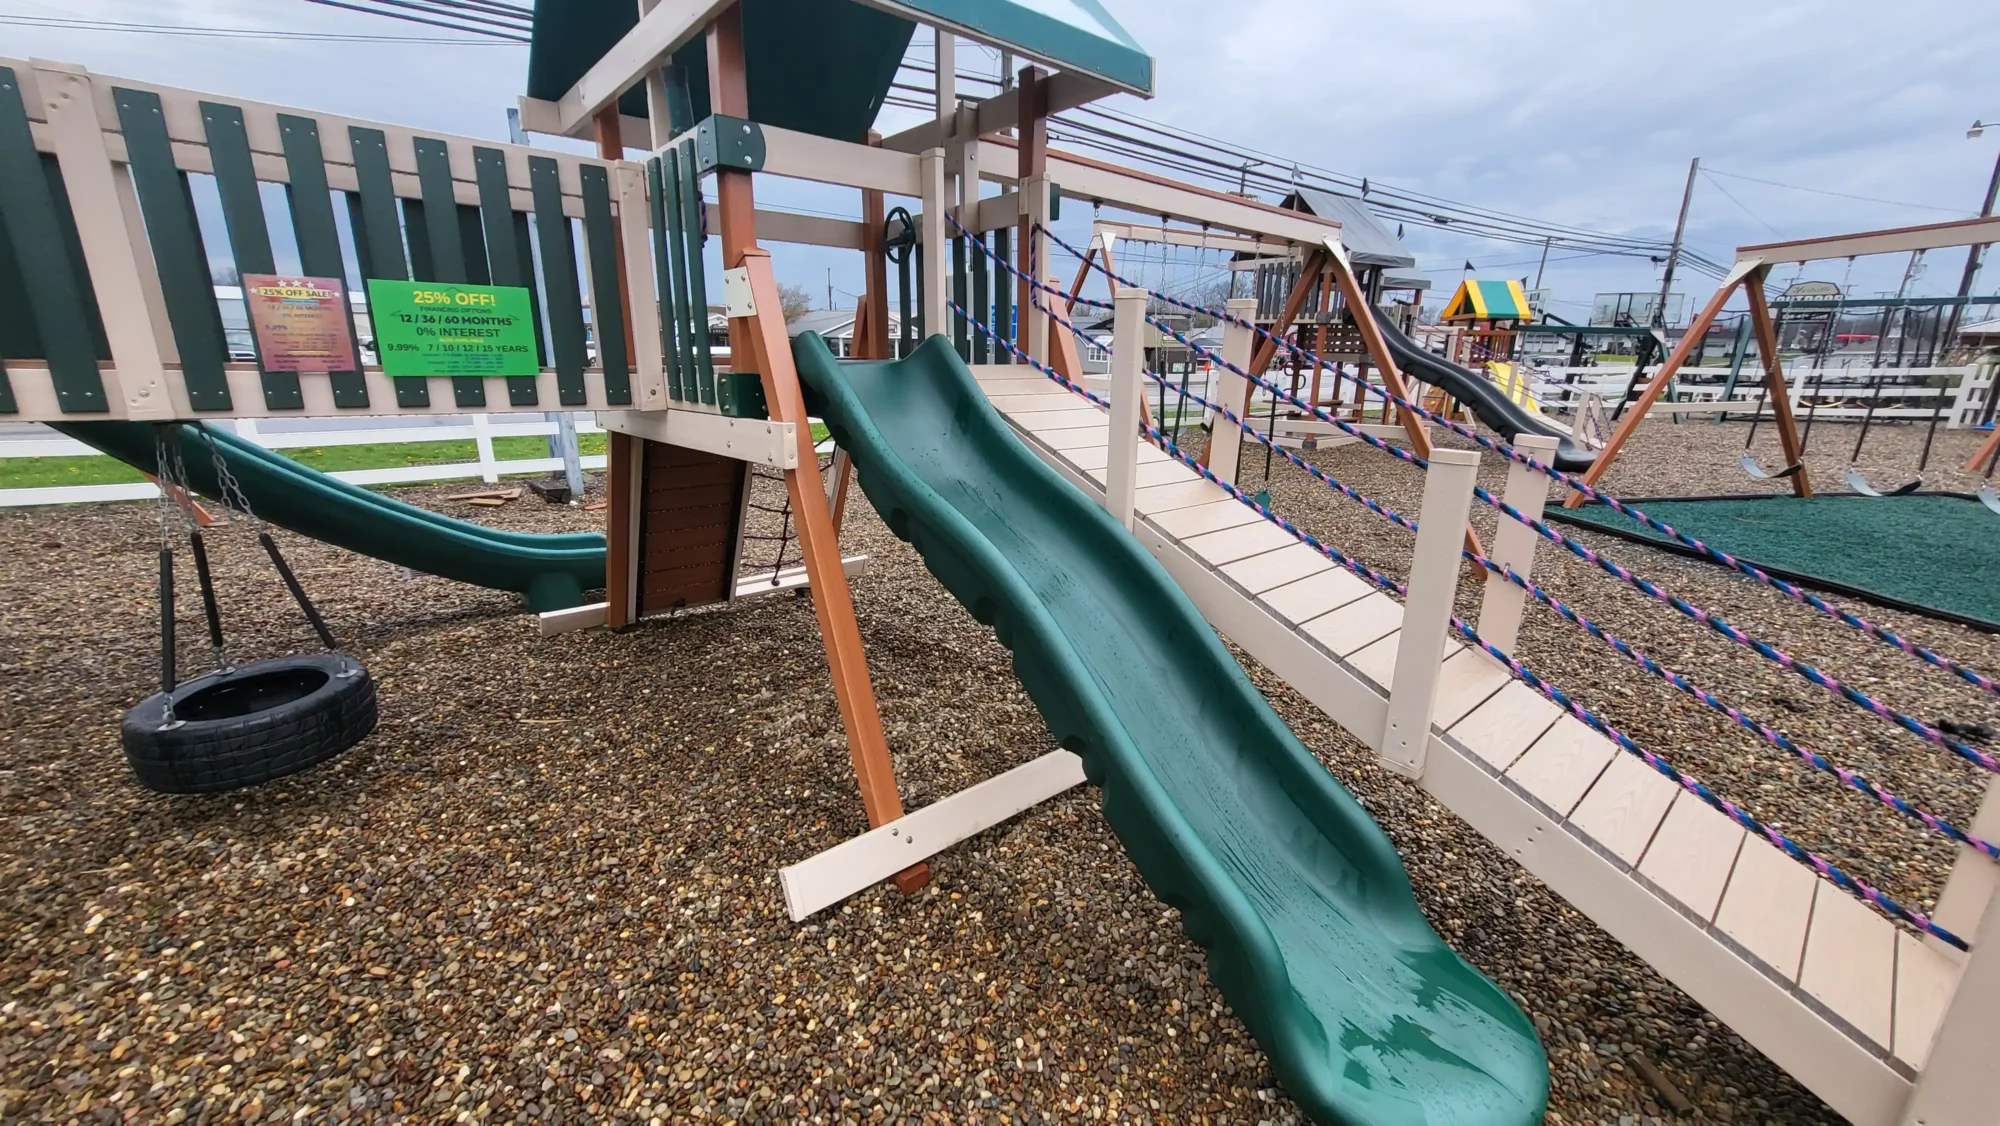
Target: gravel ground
[(545, 889)]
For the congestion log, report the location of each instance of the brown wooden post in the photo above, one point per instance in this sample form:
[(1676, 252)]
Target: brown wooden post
[(1031, 162), (1267, 346), (1392, 376), (1984, 453), (874, 305), (1657, 386), (761, 338), (624, 454), (1774, 377), (1082, 275)]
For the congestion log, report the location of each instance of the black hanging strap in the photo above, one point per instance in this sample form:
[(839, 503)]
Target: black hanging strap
[(298, 592), (166, 619)]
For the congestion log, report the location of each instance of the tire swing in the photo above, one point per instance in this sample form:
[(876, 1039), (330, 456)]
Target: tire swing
[(238, 725)]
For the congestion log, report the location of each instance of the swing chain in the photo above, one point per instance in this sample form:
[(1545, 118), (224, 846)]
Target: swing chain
[(229, 488)]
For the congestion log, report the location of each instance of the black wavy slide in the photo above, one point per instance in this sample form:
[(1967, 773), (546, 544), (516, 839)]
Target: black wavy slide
[(1502, 415)]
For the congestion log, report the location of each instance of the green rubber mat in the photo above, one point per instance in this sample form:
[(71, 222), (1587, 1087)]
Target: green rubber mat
[(1931, 553)]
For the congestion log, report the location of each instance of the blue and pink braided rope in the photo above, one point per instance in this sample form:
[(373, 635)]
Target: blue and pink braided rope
[(1777, 739), (1825, 868), (1806, 598)]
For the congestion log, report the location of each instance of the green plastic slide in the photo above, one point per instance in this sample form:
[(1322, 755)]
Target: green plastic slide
[(1312, 931), (553, 571)]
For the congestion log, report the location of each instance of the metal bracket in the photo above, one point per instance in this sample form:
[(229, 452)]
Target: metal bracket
[(736, 295), (721, 141)]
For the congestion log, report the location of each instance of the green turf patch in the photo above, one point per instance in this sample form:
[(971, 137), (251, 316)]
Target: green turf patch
[(1937, 552)]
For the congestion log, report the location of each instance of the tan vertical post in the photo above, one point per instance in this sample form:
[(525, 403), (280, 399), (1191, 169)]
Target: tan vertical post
[(1427, 612), (1128, 362), (936, 247), (624, 475), (1514, 543), (761, 337), (1031, 178), (1225, 438)]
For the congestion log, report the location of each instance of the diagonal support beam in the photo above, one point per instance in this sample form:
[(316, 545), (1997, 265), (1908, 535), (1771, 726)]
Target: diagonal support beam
[(1664, 377)]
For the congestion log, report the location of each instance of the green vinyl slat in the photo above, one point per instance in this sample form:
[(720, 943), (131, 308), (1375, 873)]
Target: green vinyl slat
[(59, 294), (7, 403), (249, 238), (676, 300), (311, 204), (524, 249), (958, 297), (186, 289), (982, 307), (565, 299), (665, 220), (378, 236), (380, 233), (418, 228), (444, 234), (1003, 301), (694, 318), (496, 215), (600, 241), (472, 237)]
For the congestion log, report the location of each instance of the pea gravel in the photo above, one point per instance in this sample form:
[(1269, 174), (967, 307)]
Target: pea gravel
[(545, 889)]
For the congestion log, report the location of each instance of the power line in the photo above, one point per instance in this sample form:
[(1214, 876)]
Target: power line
[(447, 19), (1731, 196), (237, 32), (1842, 195)]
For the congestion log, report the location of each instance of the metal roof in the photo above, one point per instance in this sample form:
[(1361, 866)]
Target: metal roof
[(1368, 242)]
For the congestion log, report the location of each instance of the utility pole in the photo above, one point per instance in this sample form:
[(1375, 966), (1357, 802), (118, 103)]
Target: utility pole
[(1974, 254), (1674, 254), (1545, 259), (829, 289)]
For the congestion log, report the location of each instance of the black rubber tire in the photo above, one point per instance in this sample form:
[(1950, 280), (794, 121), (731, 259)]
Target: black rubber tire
[(250, 724)]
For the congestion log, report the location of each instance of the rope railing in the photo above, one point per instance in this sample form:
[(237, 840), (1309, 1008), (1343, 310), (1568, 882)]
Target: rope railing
[(1803, 597), (1853, 885), (1708, 618), (1749, 723)]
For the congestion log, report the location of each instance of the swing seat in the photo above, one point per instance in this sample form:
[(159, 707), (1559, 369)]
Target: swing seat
[(1859, 483), (250, 724), (1987, 498), (1756, 469)]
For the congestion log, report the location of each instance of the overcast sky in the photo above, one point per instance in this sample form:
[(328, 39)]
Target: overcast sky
[(1574, 111)]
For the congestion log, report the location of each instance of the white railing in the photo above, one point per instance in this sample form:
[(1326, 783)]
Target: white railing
[(480, 429), (1968, 388)]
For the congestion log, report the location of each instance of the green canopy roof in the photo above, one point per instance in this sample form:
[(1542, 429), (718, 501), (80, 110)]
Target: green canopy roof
[(825, 66)]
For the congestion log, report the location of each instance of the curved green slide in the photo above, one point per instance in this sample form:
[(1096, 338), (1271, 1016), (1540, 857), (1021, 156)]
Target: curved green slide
[(1312, 931), (553, 571)]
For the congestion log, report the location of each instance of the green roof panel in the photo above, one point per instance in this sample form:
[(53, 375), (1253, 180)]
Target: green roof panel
[(1071, 34), (825, 66)]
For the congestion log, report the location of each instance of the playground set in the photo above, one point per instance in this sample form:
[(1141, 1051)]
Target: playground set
[(1105, 555)]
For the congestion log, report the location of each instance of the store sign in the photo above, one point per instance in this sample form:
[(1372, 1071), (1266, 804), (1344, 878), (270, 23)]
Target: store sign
[(300, 323), (430, 328)]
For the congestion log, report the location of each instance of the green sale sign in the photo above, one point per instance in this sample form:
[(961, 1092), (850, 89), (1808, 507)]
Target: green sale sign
[(431, 328)]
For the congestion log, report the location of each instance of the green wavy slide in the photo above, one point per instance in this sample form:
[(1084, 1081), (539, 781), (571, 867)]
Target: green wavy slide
[(1312, 931), (553, 571)]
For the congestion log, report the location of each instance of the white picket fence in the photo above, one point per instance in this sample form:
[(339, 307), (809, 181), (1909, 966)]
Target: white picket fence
[(479, 428), (1559, 389)]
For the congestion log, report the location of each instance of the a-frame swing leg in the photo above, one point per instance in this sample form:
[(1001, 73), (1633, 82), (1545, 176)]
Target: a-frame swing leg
[(1664, 376), (1334, 257), (761, 339), (1774, 380)]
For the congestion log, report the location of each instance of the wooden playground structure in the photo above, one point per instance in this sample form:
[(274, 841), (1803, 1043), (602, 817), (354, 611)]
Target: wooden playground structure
[(1884, 1013)]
